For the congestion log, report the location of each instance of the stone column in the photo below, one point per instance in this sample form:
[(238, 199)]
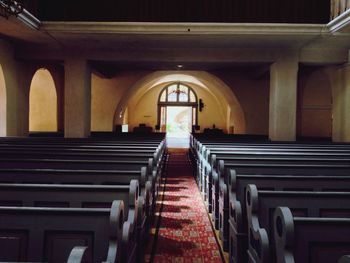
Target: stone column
[(77, 102), (283, 100), (15, 108), (341, 104), (57, 73)]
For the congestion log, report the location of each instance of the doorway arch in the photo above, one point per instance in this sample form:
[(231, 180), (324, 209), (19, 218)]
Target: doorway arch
[(179, 97), (223, 94)]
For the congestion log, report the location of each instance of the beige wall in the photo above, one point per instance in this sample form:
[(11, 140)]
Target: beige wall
[(42, 102), (211, 113), (253, 95), (144, 109), (105, 96), (314, 103)]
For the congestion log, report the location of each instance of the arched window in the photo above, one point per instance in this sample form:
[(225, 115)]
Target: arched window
[(176, 95)]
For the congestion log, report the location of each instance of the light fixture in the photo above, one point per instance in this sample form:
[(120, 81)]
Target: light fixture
[(11, 8), (179, 66)]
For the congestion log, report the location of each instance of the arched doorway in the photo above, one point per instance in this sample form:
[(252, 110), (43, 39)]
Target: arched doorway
[(3, 125), (42, 102), (177, 111), (220, 95)]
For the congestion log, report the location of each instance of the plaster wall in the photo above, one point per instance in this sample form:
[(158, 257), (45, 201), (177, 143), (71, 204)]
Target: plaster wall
[(105, 96), (253, 95), (314, 104)]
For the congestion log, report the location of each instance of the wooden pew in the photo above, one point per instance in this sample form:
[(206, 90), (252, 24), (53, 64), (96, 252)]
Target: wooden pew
[(237, 220), (261, 204), (311, 240), (208, 161), (87, 149), (344, 259), (300, 158), (68, 163), (101, 152), (49, 234), (220, 180), (93, 177), (152, 173), (83, 196)]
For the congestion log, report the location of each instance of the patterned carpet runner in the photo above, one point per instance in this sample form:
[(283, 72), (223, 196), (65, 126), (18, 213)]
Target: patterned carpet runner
[(184, 232)]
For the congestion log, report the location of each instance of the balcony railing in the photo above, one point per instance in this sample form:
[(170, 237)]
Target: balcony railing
[(338, 7)]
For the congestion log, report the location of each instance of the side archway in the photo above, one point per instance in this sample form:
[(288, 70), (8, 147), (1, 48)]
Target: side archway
[(229, 106), (42, 102), (3, 104)]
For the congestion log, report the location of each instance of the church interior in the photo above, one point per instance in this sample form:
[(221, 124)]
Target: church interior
[(224, 106)]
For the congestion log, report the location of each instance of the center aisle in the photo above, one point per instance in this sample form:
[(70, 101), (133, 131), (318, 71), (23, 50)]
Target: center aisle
[(184, 232)]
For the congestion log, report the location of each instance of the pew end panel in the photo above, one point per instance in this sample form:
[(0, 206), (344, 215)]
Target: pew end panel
[(78, 255), (258, 240), (224, 214), (319, 240), (215, 201), (344, 259)]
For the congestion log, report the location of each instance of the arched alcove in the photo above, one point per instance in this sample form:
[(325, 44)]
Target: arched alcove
[(226, 102), (42, 102), (3, 125)]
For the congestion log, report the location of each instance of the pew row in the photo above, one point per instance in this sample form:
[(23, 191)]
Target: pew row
[(220, 182), (49, 234), (261, 205), (309, 239), (83, 196), (236, 216), (92, 177)]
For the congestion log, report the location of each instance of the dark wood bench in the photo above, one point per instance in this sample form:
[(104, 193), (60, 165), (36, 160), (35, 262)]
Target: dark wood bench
[(209, 160), (93, 177), (68, 163), (236, 213), (221, 178), (311, 240), (261, 205), (152, 173), (49, 234), (206, 175), (83, 196), (101, 152), (344, 259)]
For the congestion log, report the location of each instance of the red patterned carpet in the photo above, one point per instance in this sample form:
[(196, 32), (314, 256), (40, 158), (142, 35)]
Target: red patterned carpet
[(184, 232)]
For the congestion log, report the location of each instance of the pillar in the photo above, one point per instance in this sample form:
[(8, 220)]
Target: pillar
[(341, 104), (17, 78), (77, 98), (57, 73), (283, 100)]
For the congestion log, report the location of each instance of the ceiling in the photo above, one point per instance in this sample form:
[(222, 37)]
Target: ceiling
[(113, 46)]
